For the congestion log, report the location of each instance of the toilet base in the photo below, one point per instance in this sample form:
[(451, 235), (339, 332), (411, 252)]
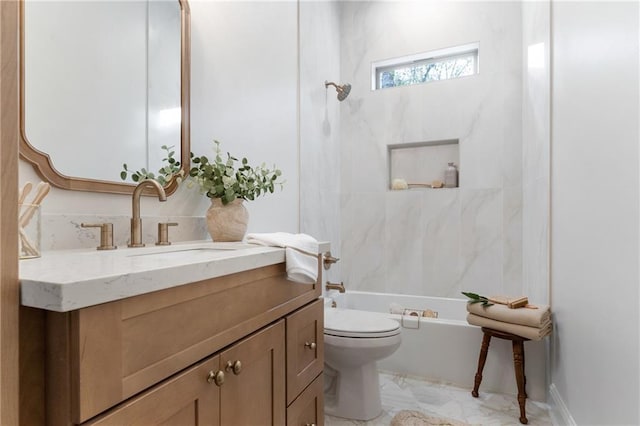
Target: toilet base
[(357, 393)]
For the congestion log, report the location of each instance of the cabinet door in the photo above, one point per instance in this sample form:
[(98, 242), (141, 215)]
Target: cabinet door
[(254, 394), (305, 347), (308, 408), (191, 398)]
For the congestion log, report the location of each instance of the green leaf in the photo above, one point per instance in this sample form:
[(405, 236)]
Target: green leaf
[(123, 175)]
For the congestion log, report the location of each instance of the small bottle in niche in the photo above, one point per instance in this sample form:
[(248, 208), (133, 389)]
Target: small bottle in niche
[(451, 176)]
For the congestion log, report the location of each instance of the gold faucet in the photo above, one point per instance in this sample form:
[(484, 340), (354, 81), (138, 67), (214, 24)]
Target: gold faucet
[(136, 222), (335, 286)]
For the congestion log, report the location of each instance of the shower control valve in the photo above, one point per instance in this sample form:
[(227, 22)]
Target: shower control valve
[(328, 260)]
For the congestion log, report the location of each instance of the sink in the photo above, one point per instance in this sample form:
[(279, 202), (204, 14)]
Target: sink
[(182, 250)]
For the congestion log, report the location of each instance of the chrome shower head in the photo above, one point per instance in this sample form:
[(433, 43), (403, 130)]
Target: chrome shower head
[(343, 90)]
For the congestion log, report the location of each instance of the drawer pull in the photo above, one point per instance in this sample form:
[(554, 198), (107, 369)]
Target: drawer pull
[(217, 377), (311, 345), (236, 367), (309, 424)]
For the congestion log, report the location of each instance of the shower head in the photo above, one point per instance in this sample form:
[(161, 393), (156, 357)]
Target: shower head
[(343, 90)]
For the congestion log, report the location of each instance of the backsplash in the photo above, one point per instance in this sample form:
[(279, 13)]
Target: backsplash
[(62, 232)]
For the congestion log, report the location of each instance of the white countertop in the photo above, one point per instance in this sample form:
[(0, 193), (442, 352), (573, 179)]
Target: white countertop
[(72, 279)]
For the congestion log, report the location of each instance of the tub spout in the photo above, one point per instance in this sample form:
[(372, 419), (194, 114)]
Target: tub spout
[(335, 286)]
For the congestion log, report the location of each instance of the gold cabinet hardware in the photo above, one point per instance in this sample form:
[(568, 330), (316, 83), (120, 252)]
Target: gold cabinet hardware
[(235, 366), (309, 424), (163, 233), (216, 377), (106, 234), (328, 260), (311, 345)]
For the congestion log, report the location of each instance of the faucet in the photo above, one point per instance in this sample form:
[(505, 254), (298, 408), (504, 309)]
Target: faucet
[(136, 222), (335, 286)]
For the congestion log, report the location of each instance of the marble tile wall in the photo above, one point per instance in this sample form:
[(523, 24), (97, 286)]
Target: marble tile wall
[(432, 242), (536, 149), (319, 34)]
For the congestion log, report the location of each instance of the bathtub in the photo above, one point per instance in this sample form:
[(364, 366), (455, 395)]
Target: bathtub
[(445, 349)]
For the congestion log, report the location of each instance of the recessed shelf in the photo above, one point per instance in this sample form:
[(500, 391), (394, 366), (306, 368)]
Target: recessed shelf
[(422, 162)]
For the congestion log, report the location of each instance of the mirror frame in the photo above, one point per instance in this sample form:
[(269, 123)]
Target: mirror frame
[(41, 161)]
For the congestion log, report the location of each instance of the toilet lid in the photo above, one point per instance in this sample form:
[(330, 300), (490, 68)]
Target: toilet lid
[(353, 323)]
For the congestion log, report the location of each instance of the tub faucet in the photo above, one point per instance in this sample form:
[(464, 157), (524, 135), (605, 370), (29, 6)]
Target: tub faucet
[(136, 222), (335, 286)]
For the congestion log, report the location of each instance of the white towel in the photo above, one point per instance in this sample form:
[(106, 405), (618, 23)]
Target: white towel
[(302, 267)]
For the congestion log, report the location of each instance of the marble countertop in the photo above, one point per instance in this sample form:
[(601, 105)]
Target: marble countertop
[(66, 280)]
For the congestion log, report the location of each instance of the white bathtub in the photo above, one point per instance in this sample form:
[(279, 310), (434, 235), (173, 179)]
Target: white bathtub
[(446, 349)]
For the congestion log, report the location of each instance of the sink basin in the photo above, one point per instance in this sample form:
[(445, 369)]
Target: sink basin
[(182, 250)]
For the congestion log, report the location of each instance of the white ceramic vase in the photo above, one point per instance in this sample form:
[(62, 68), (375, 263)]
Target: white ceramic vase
[(227, 222)]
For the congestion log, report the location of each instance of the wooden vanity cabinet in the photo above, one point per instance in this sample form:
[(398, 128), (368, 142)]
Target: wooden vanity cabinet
[(152, 359), (252, 396)]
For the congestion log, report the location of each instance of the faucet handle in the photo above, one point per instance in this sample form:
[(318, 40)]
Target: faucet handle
[(106, 235), (328, 260), (163, 233)]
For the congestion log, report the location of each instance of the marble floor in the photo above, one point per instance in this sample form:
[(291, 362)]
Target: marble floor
[(453, 403)]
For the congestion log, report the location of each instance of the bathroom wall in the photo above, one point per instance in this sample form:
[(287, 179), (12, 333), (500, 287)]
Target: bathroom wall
[(243, 93), (433, 242), (320, 125), (594, 213)]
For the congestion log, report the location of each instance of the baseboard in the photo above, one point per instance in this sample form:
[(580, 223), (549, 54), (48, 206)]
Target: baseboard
[(558, 410)]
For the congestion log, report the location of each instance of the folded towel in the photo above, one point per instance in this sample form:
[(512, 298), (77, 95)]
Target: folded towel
[(510, 301), (528, 317), (531, 333), (301, 253)]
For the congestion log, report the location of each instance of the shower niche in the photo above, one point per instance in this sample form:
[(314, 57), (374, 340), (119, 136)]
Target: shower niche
[(420, 164)]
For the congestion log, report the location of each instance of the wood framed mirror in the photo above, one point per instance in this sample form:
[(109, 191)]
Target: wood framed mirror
[(103, 83)]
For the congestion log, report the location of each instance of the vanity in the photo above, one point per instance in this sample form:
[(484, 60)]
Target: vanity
[(195, 333)]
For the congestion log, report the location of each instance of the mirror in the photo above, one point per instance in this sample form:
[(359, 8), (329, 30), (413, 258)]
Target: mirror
[(103, 83)]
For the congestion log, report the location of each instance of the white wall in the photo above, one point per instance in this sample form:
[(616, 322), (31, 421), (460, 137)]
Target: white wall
[(243, 93), (594, 206), (433, 242)]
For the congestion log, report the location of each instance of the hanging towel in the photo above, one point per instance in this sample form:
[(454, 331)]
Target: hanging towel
[(301, 253), (522, 316), (531, 333)]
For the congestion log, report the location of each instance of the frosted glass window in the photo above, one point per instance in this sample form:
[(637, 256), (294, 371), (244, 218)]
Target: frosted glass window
[(443, 64)]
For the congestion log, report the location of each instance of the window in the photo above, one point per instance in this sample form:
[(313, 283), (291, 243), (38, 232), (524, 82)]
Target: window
[(443, 64)]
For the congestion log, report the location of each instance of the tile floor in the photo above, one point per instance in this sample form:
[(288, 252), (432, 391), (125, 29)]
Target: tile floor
[(404, 393)]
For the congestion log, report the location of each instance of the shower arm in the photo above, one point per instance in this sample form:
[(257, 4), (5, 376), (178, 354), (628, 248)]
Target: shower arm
[(331, 83)]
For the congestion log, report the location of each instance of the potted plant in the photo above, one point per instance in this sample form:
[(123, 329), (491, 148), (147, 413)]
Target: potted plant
[(227, 181)]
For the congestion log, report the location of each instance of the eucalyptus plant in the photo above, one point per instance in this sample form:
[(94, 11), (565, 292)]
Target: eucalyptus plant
[(224, 179), (167, 172), (217, 178)]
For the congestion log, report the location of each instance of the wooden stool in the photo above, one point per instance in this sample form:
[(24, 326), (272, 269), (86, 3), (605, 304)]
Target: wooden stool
[(518, 363)]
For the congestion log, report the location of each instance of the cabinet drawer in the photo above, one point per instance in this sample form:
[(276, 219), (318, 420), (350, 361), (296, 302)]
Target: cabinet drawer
[(308, 408), (188, 399), (305, 347)]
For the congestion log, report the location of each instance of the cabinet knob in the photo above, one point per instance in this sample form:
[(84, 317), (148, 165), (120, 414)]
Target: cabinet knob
[(235, 366), (309, 424), (311, 345), (216, 377)]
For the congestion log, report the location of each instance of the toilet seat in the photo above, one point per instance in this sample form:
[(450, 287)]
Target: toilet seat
[(358, 324)]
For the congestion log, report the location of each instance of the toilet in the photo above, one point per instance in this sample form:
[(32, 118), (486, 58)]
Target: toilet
[(353, 342)]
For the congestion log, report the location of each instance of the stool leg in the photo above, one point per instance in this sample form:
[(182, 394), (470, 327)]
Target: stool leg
[(483, 358), (518, 363)]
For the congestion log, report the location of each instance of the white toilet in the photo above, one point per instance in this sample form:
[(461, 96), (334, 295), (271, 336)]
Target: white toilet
[(353, 342)]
